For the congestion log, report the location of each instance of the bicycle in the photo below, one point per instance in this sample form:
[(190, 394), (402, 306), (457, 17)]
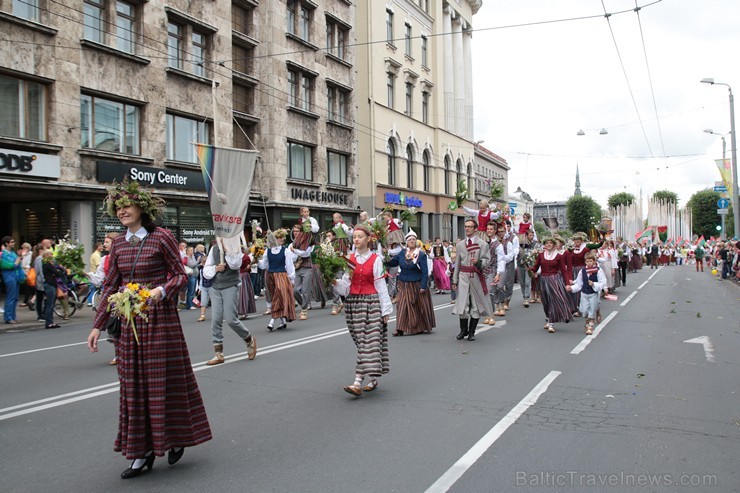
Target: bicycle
[(75, 292)]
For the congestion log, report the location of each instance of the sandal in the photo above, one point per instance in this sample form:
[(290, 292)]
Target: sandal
[(202, 318), (551, 329), (589, 331), (372, 385), (353, 389)]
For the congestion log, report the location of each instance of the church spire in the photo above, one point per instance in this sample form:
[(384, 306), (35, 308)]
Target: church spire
[(577, 193)]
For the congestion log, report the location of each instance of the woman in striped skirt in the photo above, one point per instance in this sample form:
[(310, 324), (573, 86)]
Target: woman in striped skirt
[(415, 311), (278, 262), (367, 310), (246, 303), (552, 281)]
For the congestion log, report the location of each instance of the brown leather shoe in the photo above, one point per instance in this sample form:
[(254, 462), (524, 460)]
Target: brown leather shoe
[(353, 389), (251, 348)]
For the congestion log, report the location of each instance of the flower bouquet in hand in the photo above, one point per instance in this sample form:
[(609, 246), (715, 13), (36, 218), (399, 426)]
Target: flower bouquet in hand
[(528, 259), (258, 248), (408, 214), (330, 262), (461, 195), (131, 301)]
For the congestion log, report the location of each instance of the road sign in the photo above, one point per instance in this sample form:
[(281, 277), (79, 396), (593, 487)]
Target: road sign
[(720, 188), (723, 203), (722, 212)]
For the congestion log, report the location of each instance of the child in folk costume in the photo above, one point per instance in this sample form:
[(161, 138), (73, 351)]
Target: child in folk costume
[(342, 234), (483, 215), (525, 226), (415, 310), (552, 281), (440, 266), (473, 256), (604, 258), (309, 227), (278, 262), (589, 282), (395, 233), (246, 290), (576, 259), (367, 311), (337, 301)]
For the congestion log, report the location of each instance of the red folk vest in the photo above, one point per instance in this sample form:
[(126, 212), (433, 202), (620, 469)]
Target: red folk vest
[(363, 278)]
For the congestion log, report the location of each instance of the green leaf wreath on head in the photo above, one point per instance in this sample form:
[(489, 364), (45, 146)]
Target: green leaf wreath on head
[(128, 193)]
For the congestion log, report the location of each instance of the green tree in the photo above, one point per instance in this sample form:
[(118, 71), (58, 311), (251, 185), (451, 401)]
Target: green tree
[(582, 212), (666, 196), (621, 198), (704, 214)]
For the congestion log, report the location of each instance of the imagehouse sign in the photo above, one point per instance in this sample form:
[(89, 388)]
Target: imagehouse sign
[(319, 196), (22, 163), (151, 177)]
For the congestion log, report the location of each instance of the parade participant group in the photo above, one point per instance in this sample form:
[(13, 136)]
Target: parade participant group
[(385, 267)]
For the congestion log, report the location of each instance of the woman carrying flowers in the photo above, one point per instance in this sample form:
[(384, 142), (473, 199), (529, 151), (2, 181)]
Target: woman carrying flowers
[(161, 409)]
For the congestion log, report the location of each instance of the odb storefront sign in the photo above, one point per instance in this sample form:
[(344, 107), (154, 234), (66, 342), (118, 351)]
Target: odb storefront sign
[(22, 164), (108, 171)]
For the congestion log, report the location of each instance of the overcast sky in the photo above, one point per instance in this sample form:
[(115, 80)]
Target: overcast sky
[(536, 86)]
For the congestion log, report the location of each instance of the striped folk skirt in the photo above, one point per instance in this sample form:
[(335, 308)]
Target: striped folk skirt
[(246, 296), (555, 301), (365, 324), (415, 310), (283, 304)]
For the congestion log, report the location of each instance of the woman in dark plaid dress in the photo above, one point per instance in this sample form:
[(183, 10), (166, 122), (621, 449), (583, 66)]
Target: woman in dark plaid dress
[(367, 310), (161, 409)]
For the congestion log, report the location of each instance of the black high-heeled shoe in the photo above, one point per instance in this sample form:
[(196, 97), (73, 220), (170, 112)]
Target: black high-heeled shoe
[(132, 473), (173, 457)]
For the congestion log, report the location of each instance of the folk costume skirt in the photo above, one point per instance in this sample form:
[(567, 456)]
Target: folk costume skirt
[(318, 293), (415, 310), (555, 301), (246, 303), (160, 403), (574, 299), (365, 324), (283, 304)]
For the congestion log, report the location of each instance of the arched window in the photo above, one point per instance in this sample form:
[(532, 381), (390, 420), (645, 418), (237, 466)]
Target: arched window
[(448, 171), (390, 149), (471, 179), (459, 173), (427, 171), (410, 166)]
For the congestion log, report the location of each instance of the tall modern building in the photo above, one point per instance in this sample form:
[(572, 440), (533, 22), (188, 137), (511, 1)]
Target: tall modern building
[(98, 90), (415, 109)]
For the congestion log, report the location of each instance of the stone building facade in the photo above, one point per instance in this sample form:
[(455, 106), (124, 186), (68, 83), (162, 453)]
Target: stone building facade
[(97, 90), (415, 109)]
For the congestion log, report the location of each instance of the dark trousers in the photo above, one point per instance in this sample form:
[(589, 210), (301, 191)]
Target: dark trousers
[(50, 293), (622, 267), (40, 304)]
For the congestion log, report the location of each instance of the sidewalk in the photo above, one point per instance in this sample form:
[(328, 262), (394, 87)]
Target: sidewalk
[(28, 319)]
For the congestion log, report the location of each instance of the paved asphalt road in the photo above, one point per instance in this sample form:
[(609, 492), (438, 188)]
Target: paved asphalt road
[(633, 408)]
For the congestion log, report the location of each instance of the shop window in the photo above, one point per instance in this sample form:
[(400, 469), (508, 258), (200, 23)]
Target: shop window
[(22, 109), (300, 161), (181, 133), (337, 168), (108, 125)]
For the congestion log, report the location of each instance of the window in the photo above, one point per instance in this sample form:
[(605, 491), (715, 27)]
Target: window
[(109, 125), (125, 23), (337, 98), (300, 161), (407, 36), (27, 9), (199, 53), (470, 177), (243, 59), (391, 83), (242, 19), (390, 149), (410, 166), (448, 172), (409, 98), (427, 170), (301, 89), (181, 133), (336, 37), (93, 11), (389, 26), (242, 141), (337, 168), (22, 109), (425, 107), (174, 45), (424, 48), (298, 19), (458, 176), (243, 98)]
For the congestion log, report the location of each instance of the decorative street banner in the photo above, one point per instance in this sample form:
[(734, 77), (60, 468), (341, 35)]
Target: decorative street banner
[(725, 170), (663, 233), (228, 177)]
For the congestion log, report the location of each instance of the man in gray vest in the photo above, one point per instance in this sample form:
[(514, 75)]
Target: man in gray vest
[(223, 268)]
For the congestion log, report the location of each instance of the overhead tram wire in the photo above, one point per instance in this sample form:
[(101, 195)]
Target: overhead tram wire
[(626, 77)]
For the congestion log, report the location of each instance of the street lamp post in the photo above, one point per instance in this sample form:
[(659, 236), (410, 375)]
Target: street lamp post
[(733, 143), (724, 153)]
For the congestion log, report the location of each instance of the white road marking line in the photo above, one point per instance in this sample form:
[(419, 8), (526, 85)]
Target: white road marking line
[(708, 346), (91, 392), (643, 284), (587, 340), (454, 473), (47, 348), (627, 300), (656, 271)]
